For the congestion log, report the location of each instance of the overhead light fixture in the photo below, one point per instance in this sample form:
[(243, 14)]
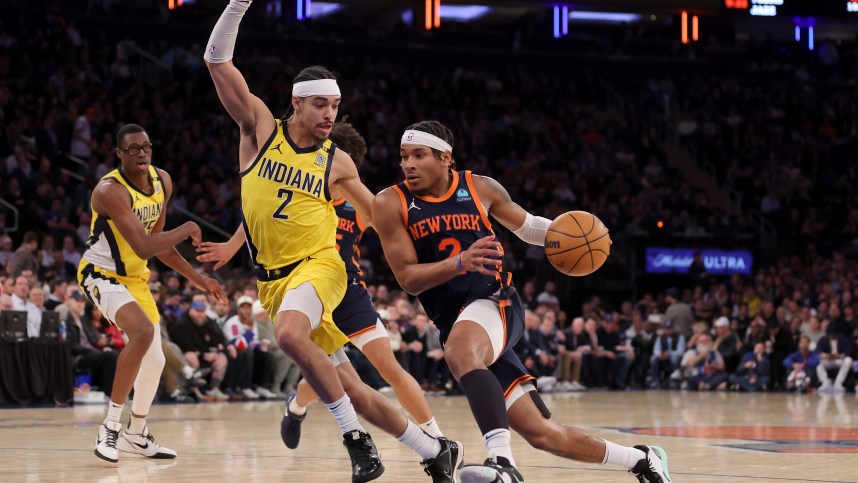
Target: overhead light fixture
[(323, 9), (464, 13), (606, 17)]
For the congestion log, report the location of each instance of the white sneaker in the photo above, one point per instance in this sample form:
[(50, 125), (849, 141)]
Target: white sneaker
[(653, 468), (577, 386), (265, 393), (546, 383), (105, 442), (563, 386), (143, 444), (825, 388), (838, 389), (215, 394), (248, 392)]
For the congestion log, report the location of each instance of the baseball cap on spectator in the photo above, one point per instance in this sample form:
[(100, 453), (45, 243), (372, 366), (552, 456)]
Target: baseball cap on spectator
[(832, 328), (244, 299), (722, 322), (198, 305), (673, 292), (257, 308), (78, 295)]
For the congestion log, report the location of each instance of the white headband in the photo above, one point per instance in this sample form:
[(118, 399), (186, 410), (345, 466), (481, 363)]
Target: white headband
[(320, 87), (425, 139)]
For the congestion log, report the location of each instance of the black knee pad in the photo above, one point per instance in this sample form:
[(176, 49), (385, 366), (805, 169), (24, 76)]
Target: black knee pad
[(540, 404)]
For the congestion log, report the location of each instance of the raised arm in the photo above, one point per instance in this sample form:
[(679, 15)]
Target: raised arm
[(415, 277), (111, 199), (176, 261), (251, 114), (345, 180)]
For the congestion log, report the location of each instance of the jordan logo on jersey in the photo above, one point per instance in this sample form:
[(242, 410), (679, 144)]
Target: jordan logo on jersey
[(277, 147), (413, 205)]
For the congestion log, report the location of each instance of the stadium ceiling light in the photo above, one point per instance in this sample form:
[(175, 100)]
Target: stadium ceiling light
[(323, 9), (608, 17), (464, 13)]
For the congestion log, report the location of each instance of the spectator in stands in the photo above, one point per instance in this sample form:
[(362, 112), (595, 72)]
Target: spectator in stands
[(666, 355), (25, 256), (204, 346), (57, 296), (21, 301), (285, 373), (242, 332), (697, 272), (703, 366), (528, 295), (71, 255), (414, 341), (679, 312), (802, 367), (642, 335), (727, 344), (779, 346), (576, 344), (618, 351), (596, 363), (84, 340), (6, 252), (548, 296), (535, 352), (753, 372), (835, 352), (814, 331)]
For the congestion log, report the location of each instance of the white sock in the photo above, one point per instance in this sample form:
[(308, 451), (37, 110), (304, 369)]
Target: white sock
[(136, 425), (420, 442), (345, 414), (622, 455), (296, 408), (497, 442), (432, 428), (114, 412)]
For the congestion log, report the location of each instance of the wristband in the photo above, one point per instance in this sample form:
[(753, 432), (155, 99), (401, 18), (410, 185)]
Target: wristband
[(459, 263)]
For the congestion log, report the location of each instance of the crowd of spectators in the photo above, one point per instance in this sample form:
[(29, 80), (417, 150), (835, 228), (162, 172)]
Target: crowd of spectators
[(790, 325)]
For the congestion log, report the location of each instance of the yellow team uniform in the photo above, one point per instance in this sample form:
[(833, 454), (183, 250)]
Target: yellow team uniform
[(290, 226), (109, 264)]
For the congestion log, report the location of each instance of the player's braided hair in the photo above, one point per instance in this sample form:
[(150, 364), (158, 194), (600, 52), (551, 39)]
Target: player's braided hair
[(314, 72), (435, 128)]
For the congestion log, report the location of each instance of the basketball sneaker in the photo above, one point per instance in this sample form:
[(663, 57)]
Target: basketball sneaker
[(290, 425), (366, 465), (105, 442), (498, 470), (442, 468), (143, 444), (653, 468)]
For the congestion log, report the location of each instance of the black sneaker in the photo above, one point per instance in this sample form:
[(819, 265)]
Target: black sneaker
[(442, 468), (653, 468), (290, 426), (366, 465), (492, 471)]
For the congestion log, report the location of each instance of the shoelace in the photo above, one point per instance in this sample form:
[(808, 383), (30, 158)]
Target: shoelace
[(360, 449), (111, 438)]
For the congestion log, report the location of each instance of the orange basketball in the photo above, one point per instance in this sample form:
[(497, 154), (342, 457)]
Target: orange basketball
[(577, 243)]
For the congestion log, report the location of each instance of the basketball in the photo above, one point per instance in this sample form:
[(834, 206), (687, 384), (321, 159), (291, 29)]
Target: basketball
[(577, 243)]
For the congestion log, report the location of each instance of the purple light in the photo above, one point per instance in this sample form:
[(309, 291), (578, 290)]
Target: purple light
[(565, 18), (300, 9), (810, 37), (556, 22), (309, 8), (797, 33)]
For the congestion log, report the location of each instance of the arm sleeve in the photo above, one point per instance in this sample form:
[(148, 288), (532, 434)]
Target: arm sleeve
[(533, 230)]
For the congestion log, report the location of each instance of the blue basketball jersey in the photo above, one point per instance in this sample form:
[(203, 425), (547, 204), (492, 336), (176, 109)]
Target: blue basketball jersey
[(350, 229), (441, 228)]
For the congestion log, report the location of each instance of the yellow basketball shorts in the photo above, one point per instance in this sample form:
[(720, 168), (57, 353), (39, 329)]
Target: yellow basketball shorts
[(326, 272), (109, 291)]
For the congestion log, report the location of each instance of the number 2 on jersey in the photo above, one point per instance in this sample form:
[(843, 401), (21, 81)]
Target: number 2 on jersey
[(281, 193), (451, 243)]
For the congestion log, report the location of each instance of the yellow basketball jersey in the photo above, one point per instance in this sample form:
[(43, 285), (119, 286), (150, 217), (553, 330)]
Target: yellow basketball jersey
[(106, 247), (285, 201)]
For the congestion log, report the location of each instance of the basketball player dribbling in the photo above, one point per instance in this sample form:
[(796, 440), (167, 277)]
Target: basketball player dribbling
[(438, 240), (355, 315), (288, 170), (128, 215)]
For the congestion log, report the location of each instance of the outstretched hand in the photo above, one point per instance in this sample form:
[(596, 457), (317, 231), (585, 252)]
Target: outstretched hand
[(212, 287), (214, 252)]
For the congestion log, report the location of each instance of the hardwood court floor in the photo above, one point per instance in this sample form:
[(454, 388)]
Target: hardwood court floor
[(709, 438)]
